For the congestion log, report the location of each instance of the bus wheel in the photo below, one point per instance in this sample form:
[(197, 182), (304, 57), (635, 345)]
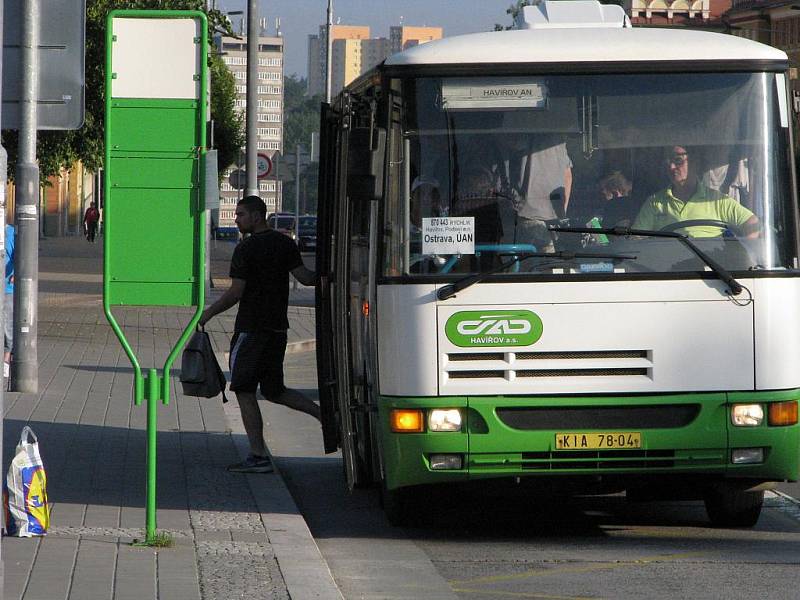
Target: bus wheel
[(734, 508), (396, 505)]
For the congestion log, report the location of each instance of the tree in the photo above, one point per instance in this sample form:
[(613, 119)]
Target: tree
[(59, 149), (228, 123), (300, 118)]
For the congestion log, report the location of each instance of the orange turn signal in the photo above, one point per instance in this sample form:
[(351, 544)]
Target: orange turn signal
[(406, 421), (783, 413)]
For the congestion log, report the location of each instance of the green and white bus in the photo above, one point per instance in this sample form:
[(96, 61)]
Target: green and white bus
[(456, 346)]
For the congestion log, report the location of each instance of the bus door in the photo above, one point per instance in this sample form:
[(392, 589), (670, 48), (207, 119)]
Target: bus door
[(327, 208), (352, 297)]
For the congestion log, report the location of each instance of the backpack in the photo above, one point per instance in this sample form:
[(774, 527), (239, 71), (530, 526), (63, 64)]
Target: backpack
[(201, 375)]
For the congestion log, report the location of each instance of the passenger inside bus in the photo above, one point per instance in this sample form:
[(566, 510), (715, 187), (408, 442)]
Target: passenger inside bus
[(619, 207), (688, 199)]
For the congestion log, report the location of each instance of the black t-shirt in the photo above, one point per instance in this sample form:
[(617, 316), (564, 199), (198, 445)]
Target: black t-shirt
[(264, 260)]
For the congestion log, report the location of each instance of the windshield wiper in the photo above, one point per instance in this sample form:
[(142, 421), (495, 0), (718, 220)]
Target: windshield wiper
[(720, 271), (450, 290)]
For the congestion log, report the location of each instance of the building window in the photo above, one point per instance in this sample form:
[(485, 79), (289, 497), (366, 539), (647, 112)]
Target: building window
[(269, 145), (269, 76), (240, 75), (269, 118), (269, 62), (266, 186), (234, 60), (273, 132), (269, 104), (241, 89), (269, 89)]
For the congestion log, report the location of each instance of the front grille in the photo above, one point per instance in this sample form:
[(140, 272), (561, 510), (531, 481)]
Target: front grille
[(581, 355), (465, 356), (598, 459), (476, 374), (612, 418), (495, 365), (579, 372)]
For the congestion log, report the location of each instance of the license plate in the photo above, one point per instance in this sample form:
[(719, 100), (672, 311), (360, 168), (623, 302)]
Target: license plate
[(598, 440)]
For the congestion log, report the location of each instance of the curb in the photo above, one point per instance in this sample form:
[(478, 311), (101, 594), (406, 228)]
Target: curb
[(304, 570), (301, 346)]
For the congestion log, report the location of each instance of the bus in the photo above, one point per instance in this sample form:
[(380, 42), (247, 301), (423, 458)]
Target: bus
[(482, 321)]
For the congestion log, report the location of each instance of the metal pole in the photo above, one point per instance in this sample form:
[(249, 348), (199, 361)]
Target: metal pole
[(152, 428), (24, 367), (252, 97), (328, 53)]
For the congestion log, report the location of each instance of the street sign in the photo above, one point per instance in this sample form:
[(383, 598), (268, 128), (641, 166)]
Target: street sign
[(264, 165), (61, 64), (238, 179)]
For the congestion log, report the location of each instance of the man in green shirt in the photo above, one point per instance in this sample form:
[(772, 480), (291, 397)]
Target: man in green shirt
[(686, 199)]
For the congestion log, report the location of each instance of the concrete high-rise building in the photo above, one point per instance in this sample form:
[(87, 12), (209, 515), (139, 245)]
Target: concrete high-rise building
[(403, 37), (355, 53), (270, 114), (351, 58), (317, 46)]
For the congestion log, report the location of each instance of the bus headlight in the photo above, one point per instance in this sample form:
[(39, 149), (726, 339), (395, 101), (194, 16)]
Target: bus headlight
[(444, 419), (747, 415)]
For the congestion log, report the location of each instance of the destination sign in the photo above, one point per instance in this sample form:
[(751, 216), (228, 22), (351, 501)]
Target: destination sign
[(448, 235), (513, 92)]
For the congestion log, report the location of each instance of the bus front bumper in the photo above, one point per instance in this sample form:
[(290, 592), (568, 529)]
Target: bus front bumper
[(682, 435)]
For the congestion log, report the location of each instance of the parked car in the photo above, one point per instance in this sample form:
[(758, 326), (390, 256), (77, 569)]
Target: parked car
[(307, 234), (283, 223)]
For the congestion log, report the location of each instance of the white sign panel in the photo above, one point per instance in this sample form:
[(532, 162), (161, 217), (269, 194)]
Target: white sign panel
[(512, 92), (156, 58), (448, 235)]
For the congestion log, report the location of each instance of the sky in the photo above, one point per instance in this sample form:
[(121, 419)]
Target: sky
[(299, 18)]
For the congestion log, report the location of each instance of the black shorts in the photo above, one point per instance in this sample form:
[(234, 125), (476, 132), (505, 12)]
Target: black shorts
[(256, 358)]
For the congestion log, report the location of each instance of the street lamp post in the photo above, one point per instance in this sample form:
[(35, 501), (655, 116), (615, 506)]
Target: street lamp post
[(252, 98), (328, 53)]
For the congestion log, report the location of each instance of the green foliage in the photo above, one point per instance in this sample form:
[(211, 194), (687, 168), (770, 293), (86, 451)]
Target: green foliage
[(57, 149), (300, 113), (228, 124), (300, 118)]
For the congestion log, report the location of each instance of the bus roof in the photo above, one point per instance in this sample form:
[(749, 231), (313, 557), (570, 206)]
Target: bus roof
[(586, 45)]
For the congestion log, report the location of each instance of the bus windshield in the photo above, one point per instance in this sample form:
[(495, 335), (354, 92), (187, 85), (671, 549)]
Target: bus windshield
[(482, 168)]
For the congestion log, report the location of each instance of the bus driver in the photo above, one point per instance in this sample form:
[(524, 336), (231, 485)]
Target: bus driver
[(687, 199)]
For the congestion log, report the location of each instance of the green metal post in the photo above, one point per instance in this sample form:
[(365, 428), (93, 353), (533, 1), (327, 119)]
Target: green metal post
[(152, 420)]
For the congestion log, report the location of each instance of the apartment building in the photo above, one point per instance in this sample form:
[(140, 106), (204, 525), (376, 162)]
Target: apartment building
[(354, 52), (403, 37), (317, 45), (270, 114)]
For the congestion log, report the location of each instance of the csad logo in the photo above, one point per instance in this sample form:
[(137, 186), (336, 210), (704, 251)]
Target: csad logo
[(494, 328)]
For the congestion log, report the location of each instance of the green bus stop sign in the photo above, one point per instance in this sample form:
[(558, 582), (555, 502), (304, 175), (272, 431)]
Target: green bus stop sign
[(155, 139), (154, 213)]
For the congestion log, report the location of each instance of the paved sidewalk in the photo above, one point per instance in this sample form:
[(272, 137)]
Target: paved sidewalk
[(235, 536)]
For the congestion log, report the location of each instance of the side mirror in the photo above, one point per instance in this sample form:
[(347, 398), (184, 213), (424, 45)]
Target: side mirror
[(365, 156)]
